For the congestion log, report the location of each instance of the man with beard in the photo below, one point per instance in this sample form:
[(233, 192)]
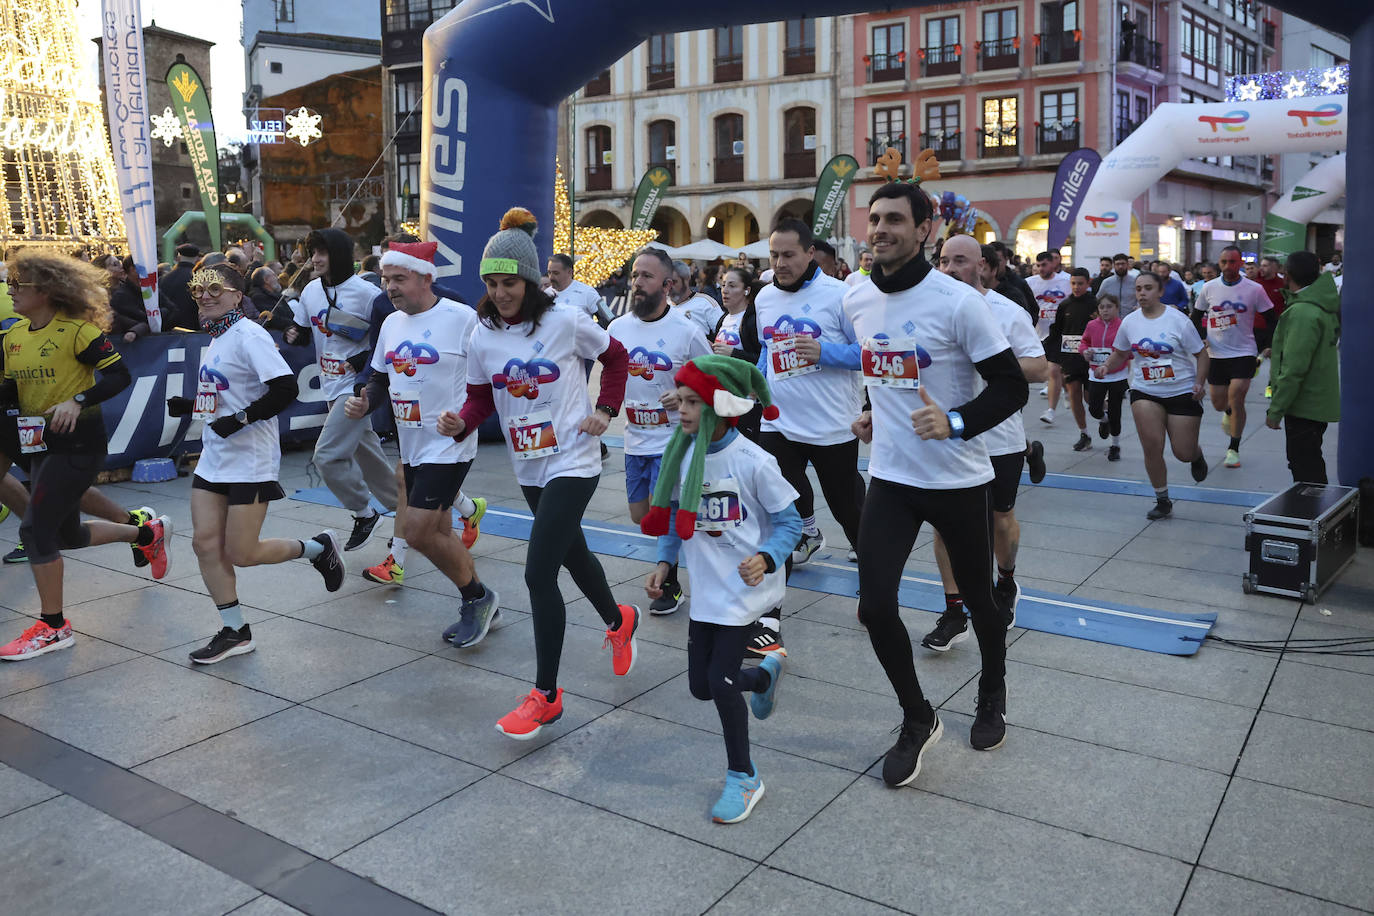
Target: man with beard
[(660, 341)]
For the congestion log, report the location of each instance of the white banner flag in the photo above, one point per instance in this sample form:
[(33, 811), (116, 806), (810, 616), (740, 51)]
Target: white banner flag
[(126, 103)]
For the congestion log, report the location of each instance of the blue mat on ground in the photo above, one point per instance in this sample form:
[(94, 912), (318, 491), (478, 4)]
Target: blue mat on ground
[(1100, 621)]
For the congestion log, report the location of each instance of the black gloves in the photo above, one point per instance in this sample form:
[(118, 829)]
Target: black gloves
[(180, 407), (225, 427)]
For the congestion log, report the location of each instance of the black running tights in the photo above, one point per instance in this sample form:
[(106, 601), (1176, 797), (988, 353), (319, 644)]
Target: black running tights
[(556, 540), (1112, 393), (892, 517), (53, 520), (714, 653), (837, 468)]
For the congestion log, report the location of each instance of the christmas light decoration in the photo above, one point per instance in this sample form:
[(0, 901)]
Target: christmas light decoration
[(303, 125), (1288, 84), (600, 252), (56, 167), (166, 127)]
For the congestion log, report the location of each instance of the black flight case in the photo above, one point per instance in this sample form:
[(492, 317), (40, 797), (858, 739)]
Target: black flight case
[(1300, 540)]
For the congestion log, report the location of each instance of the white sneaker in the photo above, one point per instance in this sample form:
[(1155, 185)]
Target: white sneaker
[(808, 545), (1048, 417), (1045, 391)]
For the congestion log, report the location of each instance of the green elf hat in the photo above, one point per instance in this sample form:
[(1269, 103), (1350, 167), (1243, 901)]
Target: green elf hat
[(725, 384)]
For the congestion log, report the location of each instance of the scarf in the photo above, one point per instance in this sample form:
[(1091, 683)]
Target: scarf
[(217, 326)]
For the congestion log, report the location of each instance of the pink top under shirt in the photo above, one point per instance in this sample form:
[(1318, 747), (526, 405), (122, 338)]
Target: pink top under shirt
[(1098, 335)]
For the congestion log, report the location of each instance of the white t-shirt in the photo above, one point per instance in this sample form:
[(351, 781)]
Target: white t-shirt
[(1009, 436), (540, 390), (658, 349), (704, 310), (1230, 312), (1048, 294), (855, 278), (817, 404), (943, 326), (580, 295), (427, 359), (237, 367), (741, 487), (1164, 352), (354, 297), (729, 329)]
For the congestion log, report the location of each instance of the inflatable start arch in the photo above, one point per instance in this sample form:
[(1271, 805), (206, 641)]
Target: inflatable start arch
[(1285, 227)]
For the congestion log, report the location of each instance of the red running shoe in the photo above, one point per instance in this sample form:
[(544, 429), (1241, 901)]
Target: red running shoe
[(622, 640), (159, 559), (37, 640), (533, 713)]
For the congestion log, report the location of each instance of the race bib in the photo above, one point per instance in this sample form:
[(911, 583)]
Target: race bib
[(332, 368), (1069, 343), (31, 431), (720, 508), (532, 435), (890, 363), (405, 407), (1047, 312), (207, 401), (1098, 356), (1157, 370), (645, 413), (787, 362), (1221, 322)]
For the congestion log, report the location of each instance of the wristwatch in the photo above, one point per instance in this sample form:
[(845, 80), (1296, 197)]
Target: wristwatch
[(80, 398), (242, 417), (956, 424), (608, 410)]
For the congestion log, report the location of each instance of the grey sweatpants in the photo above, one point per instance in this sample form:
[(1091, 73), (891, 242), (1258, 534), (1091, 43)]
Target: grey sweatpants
[(349, 457)]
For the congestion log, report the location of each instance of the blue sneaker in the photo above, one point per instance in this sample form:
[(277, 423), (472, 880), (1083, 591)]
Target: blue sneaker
[(475, 618), (738, 798), (762, 703)]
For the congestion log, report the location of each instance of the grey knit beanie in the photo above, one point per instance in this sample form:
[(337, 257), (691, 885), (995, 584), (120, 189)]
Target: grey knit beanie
[(511, 251)]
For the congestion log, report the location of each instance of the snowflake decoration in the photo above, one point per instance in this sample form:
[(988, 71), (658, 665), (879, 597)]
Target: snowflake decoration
[(1248, 91), (303, 125), (166, 127), (1333, 80), (1294, 87)]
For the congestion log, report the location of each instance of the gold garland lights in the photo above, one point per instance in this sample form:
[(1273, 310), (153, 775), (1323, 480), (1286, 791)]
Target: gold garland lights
[(600, 252)]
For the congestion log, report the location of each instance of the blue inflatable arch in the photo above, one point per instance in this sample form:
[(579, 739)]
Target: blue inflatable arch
[(495, 72)]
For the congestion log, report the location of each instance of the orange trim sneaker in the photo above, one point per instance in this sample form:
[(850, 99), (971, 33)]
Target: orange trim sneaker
[(387, 572), (533, 713), (472, 523), (37, 640), (159, 560), (621, 639)]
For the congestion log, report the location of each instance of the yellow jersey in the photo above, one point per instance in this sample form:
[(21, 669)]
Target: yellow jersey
[(52, 364)]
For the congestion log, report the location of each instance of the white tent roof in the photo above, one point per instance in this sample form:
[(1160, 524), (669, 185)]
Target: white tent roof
[(757, 249), (702, 250)]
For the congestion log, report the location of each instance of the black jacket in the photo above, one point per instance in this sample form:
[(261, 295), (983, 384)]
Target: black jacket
[(126, 301), (174, 298)]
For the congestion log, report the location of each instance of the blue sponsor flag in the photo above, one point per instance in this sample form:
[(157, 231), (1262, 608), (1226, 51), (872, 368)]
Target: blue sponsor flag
[(1070, 187)]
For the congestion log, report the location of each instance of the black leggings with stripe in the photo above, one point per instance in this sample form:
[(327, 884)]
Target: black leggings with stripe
[(837, 468)]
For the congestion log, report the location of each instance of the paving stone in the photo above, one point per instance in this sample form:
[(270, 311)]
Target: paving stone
[(1330, 760), (1313, 625), (80, 582), (400, 616), (95, 864), (1211, 892), (137, 710), (85, 654), (316, 782), (1132, 581), (507, 578), (1324, 694), (285, 587), (1191, 534), (266, 906), (1290, 839), (19, 791), (1182, 552), (154, 619), (794, 894)]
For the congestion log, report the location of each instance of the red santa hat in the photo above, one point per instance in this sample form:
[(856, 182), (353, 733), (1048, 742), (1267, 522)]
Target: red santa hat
[(416, 256)]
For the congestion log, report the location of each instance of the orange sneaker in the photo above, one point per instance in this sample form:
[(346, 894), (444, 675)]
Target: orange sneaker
[(387, 572), (472, 523), (622, 640), (37, 640), (156, 553), (533, 713)]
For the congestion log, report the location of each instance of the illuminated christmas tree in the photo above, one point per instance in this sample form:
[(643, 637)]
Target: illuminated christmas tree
[(55, 163)]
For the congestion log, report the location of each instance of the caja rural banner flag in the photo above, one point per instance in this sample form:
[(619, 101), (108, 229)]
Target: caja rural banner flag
[(192, 105), (652, 186), (126, 105), (831, 189)]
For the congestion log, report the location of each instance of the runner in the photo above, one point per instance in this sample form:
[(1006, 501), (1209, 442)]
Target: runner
[(53, 427), (568, 291), (242, 385), (738, 333), (13, 496), (928, 340), (525, 363), (865, 268), (1096, 347), (1049, 287), (697, 306), (420, 368), (1066, 334), (1231, 303), (1168, 369), (1121, 284), (993, 282), (660, 341), (338, 305)]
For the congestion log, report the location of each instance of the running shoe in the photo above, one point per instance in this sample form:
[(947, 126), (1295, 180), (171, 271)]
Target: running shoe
[(157, 554), (472, 523), (533, 713), (474, 620), (1084, 443), (1114, 453), (807, 547), (1232, 459), (4, 512), (1010, 599), (852, 556), (1163, 509), (18, 555), (1035, 461), (669, 601), (1044, 391), (989, 729), (902, 763), (951, 628), (227, 642), (738, 798), (1226, 422), (621, 639), (1268, 391), (363, 526), (1048, 417), (764, 639), (330, 564), (138, 518), (1199, 467), (605, 452), (37, 640), (387, 572), (1104, 429), (763, 703)]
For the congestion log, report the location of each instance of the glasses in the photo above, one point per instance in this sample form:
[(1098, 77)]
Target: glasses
[(19, 284), (213, 289)]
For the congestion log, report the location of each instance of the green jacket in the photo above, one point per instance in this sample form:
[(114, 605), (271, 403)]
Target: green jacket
[(1305, 372)]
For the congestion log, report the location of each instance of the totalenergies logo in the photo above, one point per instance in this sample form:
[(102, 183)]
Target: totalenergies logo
[(1104, 221), (1232, 121), (1324, 116)]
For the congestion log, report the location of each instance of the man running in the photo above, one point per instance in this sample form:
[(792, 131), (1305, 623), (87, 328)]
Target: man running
[(865, 267), (1049, 287), (568, 291), (1070, 321), (1121, 284), (1230, 304), (699, 307)]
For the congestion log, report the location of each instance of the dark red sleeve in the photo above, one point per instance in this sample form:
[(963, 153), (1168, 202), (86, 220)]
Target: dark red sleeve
[(476, 408), (615, 370)]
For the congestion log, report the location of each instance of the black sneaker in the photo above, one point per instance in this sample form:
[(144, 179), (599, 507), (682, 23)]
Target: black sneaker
[(807, 547), (362, 530), (669, 601), (1163, 509), (952, 627), (1010, 598), (18, 555), (1035, 462), (1084, 442), (225, 643), (1114, 453), (989, 729), (1199, 468), (1104, 429), (902, 763), (329, 564), (764, 640), (605, 452), (474, 620)]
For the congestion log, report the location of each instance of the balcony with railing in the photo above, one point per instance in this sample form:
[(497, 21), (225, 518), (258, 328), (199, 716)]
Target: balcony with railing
[(729, 168), (669, 164), (1125, 127), (882, 68), (661, 76), (997, 142), (945, 144), (876, 148), (1000, 54), (1056, 137), (598, 178), (600, 84), (1137, 49), (729, 68), (801, 59), (941, 60), (1058, 47), (799, 164), (1270, 33)]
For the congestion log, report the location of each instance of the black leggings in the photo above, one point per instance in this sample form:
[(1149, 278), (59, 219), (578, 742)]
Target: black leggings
[(714, 653), (891, 520), (837, 468), (53, 521), (556, 540), (1112, 393)]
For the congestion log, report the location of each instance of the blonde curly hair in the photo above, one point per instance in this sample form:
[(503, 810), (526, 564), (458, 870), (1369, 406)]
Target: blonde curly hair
[(76, 289)]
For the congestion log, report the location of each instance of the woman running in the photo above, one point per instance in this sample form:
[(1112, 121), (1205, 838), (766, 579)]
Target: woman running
[(1168, 379), (525, 363), (1105, 392), (737, 334), (54, 427)]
